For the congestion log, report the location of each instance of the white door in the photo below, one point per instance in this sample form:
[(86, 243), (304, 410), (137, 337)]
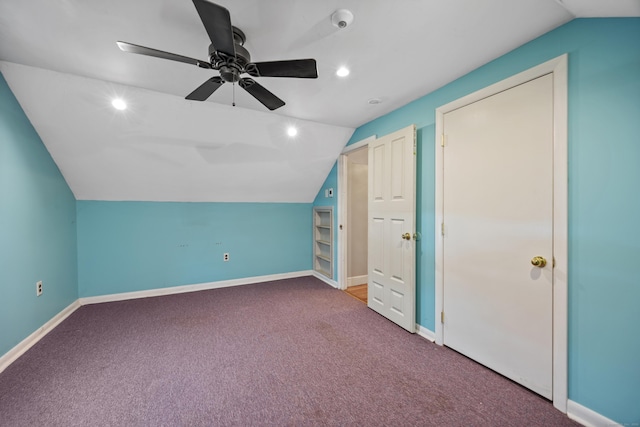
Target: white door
[(392, 207), (498, 216)]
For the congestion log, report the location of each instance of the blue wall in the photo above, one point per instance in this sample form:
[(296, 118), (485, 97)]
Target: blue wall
[(604, 200), (37, 228), (133, 246)]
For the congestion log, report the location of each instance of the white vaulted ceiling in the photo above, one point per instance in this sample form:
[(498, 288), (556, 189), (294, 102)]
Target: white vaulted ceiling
[(62, 63), (164, 148)]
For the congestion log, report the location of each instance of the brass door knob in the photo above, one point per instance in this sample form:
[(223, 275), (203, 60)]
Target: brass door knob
[(538, 261), (406, 236)]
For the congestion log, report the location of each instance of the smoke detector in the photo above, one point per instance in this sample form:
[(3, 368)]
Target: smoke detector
[(341, 18)]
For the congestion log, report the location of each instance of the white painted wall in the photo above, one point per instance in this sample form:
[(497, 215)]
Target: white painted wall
[(357, 216)]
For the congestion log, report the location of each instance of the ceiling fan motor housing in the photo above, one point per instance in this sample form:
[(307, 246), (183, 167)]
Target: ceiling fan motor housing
[(231, 67)]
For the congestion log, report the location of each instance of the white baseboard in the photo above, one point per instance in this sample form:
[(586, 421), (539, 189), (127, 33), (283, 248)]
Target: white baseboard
[(325, 279), (425, 333), (191, 288), (588, 417), (17, 351), (357, 280)]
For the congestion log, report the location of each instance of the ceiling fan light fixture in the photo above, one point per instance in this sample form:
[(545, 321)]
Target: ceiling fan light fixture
[(119, 104), (342, 72)]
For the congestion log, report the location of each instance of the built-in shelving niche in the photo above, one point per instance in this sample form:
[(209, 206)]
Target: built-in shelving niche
[(323, 240)]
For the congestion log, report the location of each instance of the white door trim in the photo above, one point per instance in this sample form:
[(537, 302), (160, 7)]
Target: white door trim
[(558, 67), (343, 185), (357, 145)]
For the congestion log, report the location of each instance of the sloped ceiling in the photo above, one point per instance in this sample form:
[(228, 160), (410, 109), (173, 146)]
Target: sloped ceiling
[(61, 61), (163, 148)]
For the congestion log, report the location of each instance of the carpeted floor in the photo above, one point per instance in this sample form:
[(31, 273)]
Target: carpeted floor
[(291, 352)]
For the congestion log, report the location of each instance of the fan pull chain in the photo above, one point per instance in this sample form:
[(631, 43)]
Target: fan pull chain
[(233, 103)]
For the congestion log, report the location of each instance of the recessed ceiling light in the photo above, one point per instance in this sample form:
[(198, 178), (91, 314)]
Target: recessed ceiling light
[(342, 72), (119, 104), (291, 131), (374, 101)]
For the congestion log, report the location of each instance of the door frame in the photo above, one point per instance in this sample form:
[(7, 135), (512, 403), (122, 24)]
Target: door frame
[(343, 213), (558, 67)]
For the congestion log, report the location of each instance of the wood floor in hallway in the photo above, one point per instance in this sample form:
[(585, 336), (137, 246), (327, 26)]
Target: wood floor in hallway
[(359, 292)]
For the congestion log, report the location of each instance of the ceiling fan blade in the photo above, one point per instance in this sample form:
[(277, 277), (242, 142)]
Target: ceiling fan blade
[(217, 22), (267, 99), (301, 68), (205, 90), (141, 50)]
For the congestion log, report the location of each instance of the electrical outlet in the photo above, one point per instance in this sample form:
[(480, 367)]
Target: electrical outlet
[(225, 256), (39, 288)]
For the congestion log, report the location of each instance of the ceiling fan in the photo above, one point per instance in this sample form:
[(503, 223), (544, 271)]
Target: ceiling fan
[(228, 56)]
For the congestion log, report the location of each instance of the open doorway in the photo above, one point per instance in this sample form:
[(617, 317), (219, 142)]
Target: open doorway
[(391, 210), (353, 222)]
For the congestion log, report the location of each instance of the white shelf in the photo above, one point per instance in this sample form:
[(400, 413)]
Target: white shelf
[(323, 240), (326, 258)]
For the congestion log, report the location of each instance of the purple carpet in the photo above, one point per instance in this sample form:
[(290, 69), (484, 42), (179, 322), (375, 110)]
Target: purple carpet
[(290, 352)]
